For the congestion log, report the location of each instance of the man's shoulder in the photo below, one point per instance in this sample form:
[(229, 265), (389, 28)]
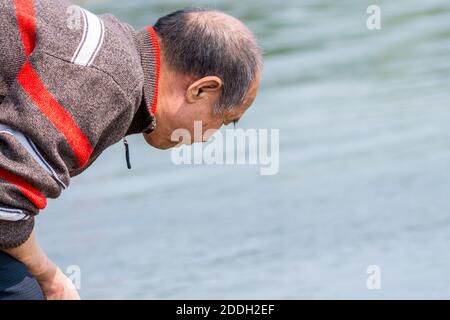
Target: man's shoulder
[(79, 36)]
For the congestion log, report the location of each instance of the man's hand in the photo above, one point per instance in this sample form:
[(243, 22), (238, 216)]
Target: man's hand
[(53, 282), (56, 286)]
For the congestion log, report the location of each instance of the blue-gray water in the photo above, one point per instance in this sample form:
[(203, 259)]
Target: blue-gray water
[(364, 174)]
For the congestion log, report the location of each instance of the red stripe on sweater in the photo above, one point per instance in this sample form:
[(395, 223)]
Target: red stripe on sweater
[(45, 102), (156, 54), (27, 24), (27, 190), (57, 115), (36, 90)]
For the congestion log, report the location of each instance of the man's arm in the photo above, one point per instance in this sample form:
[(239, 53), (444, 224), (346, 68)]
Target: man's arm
[(53, 282)]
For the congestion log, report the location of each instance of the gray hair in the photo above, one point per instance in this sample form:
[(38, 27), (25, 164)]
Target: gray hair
[(203, 42)]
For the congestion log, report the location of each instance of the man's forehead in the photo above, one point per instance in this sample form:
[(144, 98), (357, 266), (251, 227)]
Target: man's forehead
[(252, 92), (237, 112)]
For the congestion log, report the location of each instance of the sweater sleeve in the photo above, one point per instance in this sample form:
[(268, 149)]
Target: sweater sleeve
[(13, 234), (27, 179)]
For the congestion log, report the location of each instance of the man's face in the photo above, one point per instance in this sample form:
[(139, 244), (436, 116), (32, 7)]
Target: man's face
[(197, 105)]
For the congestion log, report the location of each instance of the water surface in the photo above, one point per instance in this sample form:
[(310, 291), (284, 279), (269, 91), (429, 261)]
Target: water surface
[(364, 175)]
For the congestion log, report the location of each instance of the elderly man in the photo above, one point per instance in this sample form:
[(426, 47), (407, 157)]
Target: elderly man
[(73, 83)]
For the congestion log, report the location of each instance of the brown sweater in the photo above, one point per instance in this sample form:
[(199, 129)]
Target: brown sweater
[(71, 85)]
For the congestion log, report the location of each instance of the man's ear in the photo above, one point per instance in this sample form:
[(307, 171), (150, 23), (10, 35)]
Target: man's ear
[(206, 87)]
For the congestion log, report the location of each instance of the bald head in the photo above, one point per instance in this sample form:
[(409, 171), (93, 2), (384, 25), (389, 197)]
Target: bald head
[(202, 42)]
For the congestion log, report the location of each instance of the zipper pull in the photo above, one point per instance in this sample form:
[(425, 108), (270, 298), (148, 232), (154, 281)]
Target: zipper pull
[(127, 152)]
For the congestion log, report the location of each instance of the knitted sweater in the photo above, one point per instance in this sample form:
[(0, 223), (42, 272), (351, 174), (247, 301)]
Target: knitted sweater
[(71, 85)]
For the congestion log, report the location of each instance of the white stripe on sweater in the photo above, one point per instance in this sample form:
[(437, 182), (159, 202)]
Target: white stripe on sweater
[(91, 41), (12, 214), (33, 150)]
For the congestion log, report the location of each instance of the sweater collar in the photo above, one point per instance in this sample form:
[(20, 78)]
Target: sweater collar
[(149, 50)]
